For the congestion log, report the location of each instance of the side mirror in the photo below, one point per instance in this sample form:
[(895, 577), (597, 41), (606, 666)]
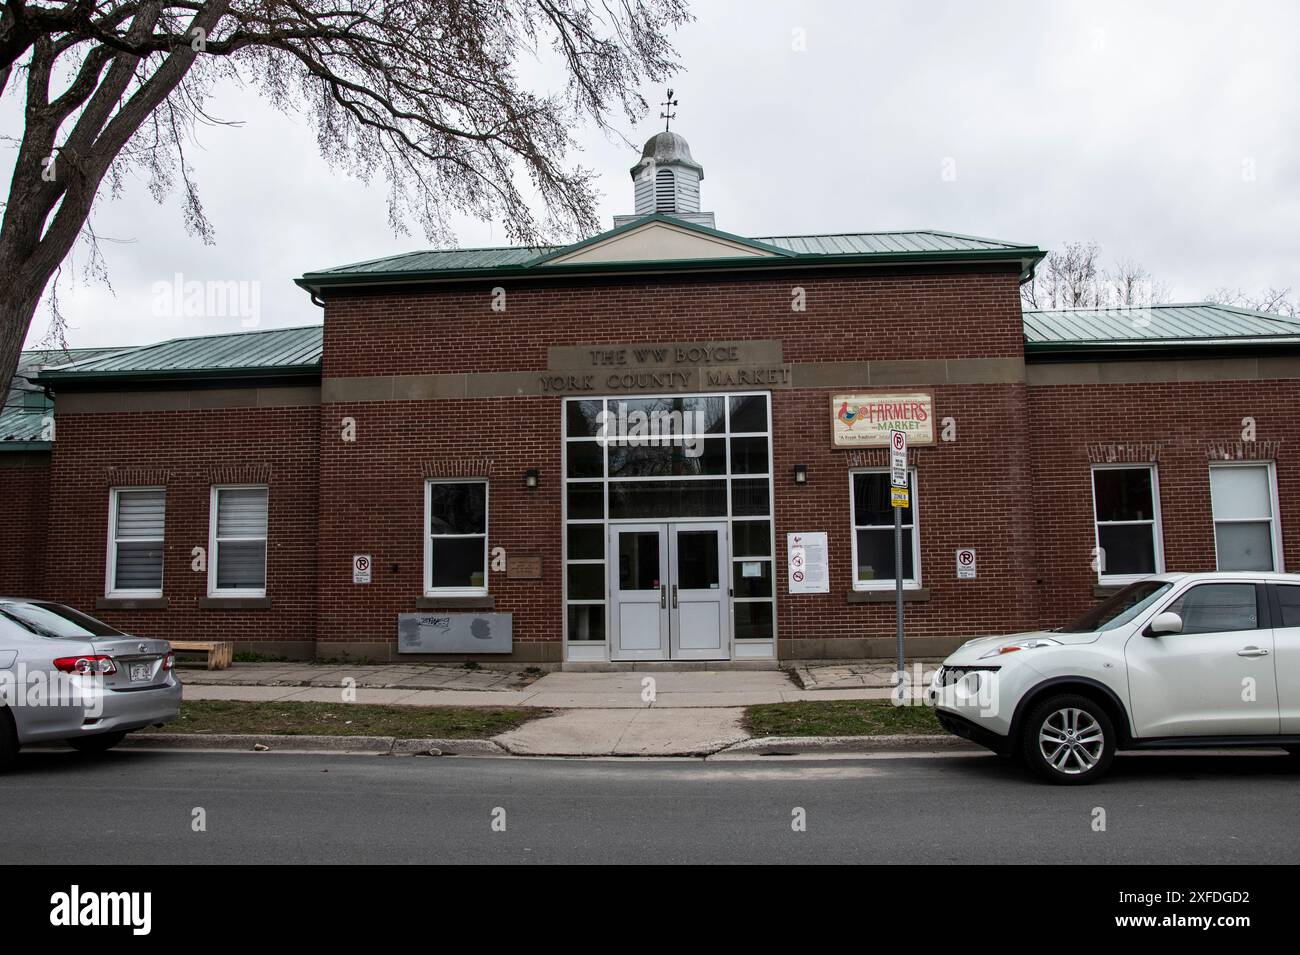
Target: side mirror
[(1167, 622)]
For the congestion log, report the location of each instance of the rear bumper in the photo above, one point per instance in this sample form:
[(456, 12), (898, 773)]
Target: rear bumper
[(135, 709), (981, 735)]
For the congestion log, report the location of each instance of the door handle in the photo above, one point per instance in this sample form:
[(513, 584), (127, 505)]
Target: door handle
[(663, 596), (674, 596), (1252, 652)]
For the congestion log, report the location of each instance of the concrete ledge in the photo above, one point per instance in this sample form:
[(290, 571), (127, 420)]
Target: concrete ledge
[(376, 651), (799, 745), (864, 648), (446, 747), (239, 741), (487, 602), (132, 603), (378, 745)]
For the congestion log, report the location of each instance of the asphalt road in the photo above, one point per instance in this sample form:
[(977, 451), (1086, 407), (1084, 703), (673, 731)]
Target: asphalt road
[(137, 807)]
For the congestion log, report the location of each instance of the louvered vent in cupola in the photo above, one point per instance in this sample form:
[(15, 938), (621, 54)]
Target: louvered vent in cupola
[(665, 192)]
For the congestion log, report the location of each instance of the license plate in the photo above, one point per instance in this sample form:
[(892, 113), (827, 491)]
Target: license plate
[(140, 672)]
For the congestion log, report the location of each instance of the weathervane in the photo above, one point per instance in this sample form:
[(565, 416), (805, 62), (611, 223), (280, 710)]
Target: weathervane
[(668, 115)]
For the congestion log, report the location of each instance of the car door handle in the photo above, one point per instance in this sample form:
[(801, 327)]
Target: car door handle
[(1252, 652)]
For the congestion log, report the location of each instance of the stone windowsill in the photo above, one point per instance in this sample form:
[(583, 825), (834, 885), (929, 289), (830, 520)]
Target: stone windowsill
[(131, 603), (486, 602), (234, 603), (910, 595)]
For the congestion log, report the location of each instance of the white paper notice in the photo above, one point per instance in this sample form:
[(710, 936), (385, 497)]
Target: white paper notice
[(806, 556)]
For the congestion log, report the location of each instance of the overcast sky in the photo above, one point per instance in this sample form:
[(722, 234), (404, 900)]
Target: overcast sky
[(1167, 132)]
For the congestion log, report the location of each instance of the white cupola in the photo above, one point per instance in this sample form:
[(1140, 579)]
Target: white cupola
[(666, 181)]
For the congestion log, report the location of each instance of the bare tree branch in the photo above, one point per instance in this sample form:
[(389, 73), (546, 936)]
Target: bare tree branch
[(422, 92)]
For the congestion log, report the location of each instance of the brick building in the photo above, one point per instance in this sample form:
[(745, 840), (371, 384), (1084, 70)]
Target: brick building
[(664, 443)]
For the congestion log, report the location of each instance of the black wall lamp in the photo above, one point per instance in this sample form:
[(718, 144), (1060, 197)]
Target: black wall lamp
[(531, 479), (801, 474)]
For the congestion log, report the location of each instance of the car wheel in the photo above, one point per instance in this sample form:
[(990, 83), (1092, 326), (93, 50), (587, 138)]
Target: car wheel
[(8, 739), (99, 743), (1068, 739)]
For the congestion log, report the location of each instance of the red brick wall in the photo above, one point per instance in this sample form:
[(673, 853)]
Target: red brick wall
[(24, 489), (968, 495), (280, 443), (1072, 426), (372, 493), (849, 317), (372, 490)]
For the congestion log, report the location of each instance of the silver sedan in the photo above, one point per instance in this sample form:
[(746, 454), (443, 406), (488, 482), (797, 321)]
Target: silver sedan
[(67, 676)]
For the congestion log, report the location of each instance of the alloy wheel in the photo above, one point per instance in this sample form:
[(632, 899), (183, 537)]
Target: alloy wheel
[(1071, 741)]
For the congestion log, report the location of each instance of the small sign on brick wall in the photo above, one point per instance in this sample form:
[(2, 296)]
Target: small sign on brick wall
[(523, 567), (361, 569)]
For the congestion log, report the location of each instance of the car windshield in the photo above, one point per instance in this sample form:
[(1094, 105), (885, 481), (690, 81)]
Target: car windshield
[(55, 620), (1119, 609)]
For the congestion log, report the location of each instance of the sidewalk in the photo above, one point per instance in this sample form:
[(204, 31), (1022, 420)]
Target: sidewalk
[(451, 686), (636, 713)]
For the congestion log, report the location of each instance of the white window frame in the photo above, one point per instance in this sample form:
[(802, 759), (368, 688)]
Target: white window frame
[(1157, 528), (429, 589), (213, 547), (111, 564), (1275, 519), (909, 583)]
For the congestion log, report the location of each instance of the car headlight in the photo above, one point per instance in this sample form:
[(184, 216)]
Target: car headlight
[(1033, 644)]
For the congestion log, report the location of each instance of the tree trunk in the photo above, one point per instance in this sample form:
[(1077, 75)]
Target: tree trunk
[(17, 307)]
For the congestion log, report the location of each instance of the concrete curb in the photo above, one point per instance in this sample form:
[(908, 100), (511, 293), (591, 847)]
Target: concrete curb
[(864, 745), (377, 745), (692, 750)]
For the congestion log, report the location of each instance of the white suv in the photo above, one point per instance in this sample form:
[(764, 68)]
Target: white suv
[(1174, 660)]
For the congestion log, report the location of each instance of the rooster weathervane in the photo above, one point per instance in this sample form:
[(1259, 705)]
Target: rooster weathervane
[(668, 115)]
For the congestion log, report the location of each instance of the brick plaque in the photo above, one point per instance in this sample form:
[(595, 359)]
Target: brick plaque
[(523, 568)]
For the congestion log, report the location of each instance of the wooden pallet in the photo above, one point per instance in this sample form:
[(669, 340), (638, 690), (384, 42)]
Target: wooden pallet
[(220, 652)]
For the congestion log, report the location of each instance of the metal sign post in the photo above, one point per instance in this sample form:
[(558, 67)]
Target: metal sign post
[(898, 498)]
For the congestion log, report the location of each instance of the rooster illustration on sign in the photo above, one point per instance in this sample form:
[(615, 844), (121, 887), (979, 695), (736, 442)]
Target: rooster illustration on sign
[(849, 415)]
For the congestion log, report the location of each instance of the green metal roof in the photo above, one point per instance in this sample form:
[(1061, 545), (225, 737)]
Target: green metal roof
[(1198, 325), (25, 406), (883, 243), (267, 352), (520, 261), (297, 351)]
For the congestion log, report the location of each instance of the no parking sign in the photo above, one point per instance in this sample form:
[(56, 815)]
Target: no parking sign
[(965, 563)]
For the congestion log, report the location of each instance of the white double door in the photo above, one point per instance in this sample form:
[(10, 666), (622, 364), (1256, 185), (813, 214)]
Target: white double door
[(669, 592)]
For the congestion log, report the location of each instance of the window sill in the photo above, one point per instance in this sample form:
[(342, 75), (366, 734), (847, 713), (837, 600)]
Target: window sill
[(234, 603), (886, 596), (485, 602), (131, 603), (1107, 590)]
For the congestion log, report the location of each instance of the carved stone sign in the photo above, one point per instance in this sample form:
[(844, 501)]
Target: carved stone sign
[(668, 366)]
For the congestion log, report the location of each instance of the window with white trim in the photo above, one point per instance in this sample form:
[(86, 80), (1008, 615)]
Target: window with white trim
[(135, 541), (237, 545), (455, 540), (1243, 498), (873, 532), (1126, 515)]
